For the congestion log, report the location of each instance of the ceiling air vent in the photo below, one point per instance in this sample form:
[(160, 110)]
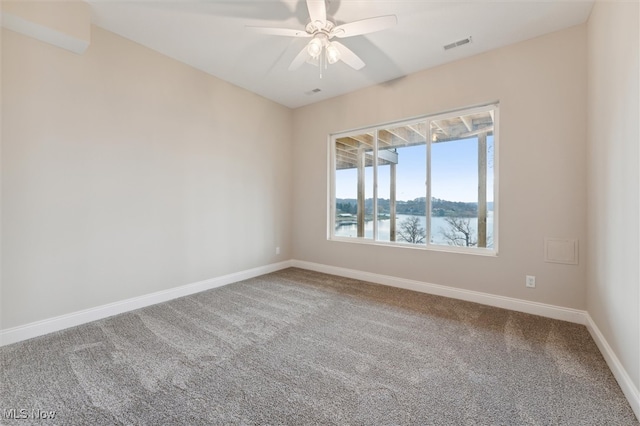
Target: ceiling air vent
[(457, 43)]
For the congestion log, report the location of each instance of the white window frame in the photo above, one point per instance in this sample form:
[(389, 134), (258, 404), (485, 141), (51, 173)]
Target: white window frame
[(331, 211)]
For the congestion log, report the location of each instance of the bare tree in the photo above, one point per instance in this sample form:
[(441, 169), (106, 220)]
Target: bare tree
[(411, 231), (460, 232)]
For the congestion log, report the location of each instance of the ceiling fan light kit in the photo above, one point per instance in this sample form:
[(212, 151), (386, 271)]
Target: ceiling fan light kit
[(321, 50), (320, 41), (333, 54)]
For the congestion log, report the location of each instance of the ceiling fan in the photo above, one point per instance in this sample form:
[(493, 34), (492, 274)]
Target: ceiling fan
[(322, 49)]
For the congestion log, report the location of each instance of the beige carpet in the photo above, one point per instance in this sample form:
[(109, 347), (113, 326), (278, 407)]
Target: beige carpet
[(298, 347)]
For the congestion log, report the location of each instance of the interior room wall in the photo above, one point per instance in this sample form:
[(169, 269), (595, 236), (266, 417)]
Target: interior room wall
[(541, 87), (614, 181), (125, 172), (1, 184)]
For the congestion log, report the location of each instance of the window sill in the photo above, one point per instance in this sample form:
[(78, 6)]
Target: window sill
[(429, 247)]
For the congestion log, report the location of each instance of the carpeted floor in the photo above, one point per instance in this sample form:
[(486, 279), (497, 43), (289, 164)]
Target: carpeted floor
[(299, 347)]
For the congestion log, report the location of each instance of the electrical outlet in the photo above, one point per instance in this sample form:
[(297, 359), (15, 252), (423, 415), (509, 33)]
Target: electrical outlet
[(530, 281), (277, 250)]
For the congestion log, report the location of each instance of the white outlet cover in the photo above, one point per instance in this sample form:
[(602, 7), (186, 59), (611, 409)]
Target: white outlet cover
[(530, 281)]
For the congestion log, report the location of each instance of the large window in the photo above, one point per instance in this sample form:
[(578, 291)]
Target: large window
[(427, 182)]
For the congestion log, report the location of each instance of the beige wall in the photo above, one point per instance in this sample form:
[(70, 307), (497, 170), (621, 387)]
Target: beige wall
[(125, 172), (541, 88), (613, 163), (1, 182)]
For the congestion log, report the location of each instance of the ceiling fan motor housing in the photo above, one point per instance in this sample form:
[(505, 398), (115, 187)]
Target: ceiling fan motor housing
[(315, 27)]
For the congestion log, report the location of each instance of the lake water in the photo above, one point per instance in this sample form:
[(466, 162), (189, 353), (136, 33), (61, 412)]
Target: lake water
[(438, 225)]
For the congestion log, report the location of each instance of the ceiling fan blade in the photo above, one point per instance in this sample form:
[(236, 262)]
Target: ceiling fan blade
[(279, 31), (299, 59), (348, 57), (317, 11), (364, 26)]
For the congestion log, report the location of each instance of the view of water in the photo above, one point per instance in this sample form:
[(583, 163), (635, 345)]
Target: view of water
[(438, 225)]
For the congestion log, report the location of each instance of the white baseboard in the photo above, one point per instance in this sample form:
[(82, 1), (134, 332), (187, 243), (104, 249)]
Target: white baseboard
[(535, 308), (39, 328), (624, 380)]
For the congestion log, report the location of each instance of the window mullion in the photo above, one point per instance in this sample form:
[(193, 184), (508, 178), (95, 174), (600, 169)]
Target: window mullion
[(375, 186), (332, 188), (428, 186)]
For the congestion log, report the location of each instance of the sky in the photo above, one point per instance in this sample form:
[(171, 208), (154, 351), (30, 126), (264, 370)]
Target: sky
[(454, 173)]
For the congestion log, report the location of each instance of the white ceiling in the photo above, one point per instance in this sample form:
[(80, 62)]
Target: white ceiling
[(210, 35)]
